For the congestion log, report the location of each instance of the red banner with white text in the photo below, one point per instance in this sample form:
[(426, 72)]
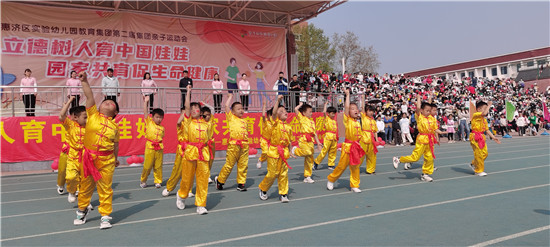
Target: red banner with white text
[(39, 138)]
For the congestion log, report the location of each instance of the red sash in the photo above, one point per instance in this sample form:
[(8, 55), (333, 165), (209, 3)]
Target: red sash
[(478, 137), (65, 148), (200, 146), (281, 151), (309, 136), (156, 145), (88, 163), (237, 142), (373, 140), (356, 152), (431, 141)]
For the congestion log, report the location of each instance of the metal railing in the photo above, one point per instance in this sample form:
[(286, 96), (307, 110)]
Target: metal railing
[(50, 99)]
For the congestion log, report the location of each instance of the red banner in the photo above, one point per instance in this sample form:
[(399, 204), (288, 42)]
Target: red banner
[(39, 138)]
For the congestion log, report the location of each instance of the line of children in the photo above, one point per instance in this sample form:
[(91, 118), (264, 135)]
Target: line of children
[(307, 135), (477, 138), (237, 150), (196, 157), (99, 156), (330, 139), (278, 153), (154, 133), (76, 129)]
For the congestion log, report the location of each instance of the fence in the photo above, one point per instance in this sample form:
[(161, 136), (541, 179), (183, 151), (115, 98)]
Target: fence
[(50, 99)]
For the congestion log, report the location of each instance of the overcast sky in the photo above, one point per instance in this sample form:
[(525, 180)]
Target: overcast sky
[(410, 36)]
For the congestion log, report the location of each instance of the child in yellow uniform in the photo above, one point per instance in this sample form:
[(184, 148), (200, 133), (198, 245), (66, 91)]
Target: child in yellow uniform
[(76, 129), (206, 114), (424, 141), (368, 139), (477, 138), (330, 139), (237, 149), (265, 131), (100, 156), (62, 164), (352, 153), (175, 176), (307, 135), (277, 154), (195, 160), (154, 133)]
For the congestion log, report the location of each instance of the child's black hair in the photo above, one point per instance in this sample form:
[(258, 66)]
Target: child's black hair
[(195, 104), (304, 108), (205, 109), (157, 111), (235, 104), (77, 110), (480, 104), (331, 109), (369, 107), (424, 105), (269, 112)]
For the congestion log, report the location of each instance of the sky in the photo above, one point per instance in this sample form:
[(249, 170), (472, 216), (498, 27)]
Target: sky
[(410, 36)]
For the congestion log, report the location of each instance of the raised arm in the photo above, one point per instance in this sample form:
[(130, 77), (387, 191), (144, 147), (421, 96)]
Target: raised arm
[(146, 106), (297, 108), (63, 113), (264, 116), (276, 107), (228, 103), (346, 103), (418, 104), (362, 103), (188, 101), (325, 108), (90, 101), (181, 118), (486, 111)]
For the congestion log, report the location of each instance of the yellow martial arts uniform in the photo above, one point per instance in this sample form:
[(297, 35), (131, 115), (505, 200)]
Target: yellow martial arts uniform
[(266, 127), (306, 142), (99, 144), (353, 137), (277, 166), (175, 176), (75, 141), (237, 149), (195, 160), (368, 142), (330, 142), (154, 134), (424, 145), (478, 141), (62, 163)]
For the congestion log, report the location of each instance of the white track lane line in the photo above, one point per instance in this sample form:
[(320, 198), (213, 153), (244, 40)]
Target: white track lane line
[(512, 236)]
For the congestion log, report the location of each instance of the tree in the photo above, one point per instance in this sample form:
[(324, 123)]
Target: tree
[(356, 57), (313, 49)]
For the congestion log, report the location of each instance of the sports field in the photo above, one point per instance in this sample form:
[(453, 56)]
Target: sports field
[(509, 207)]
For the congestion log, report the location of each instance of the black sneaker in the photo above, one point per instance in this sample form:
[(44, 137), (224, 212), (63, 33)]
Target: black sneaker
[(370, 173), (240, 187), (219, 185), (315, 166), (331, 167)]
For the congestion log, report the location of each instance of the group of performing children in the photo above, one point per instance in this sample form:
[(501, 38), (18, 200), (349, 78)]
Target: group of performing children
[(90, 150)]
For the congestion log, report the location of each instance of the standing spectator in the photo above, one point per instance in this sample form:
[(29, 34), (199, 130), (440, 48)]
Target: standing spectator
[(388, 128), (281, 85), (397, 131), (244, 91), (74, 89), (295, 91), (380, 126), (533, 120), (148, 83), (110, 86), (464, 124), (504, 125), (183, 86), (260, 81), (404, 123), (28, 92), (450, 129), (521, 122), (217, 84), (232, 75)]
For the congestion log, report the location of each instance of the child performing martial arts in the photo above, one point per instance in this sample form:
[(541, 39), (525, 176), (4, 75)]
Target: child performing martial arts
[(477, 138), (368, 138), (330, 139), (154, 133), (265, 129), (307, 135)]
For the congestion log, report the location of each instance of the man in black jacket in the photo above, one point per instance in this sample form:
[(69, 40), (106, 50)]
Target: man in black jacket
[(183, 86), (295, 91)]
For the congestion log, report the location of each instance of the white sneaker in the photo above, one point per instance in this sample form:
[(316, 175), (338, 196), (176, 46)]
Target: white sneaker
[(76, 193), (263, 195), (395, 162), (284, 199), (201, 210), (435, 168), (142, 185), (210, 180), (71, 198), (105, 222), (158, 186), (90, 207), (294, 149), (407, 166), (180, 202), (308, 180), (330, 185), (481, 174), (60, 190), (356, 190), (473, 168), (190, 194), (259, 165), (80, 217), (426, 178), (165, 193)]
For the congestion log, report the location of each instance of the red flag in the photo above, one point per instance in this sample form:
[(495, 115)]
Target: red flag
[(545, 112)]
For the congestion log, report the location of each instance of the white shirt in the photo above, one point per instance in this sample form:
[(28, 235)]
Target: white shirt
[(404, 123), (110, 86), (380, 125)]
